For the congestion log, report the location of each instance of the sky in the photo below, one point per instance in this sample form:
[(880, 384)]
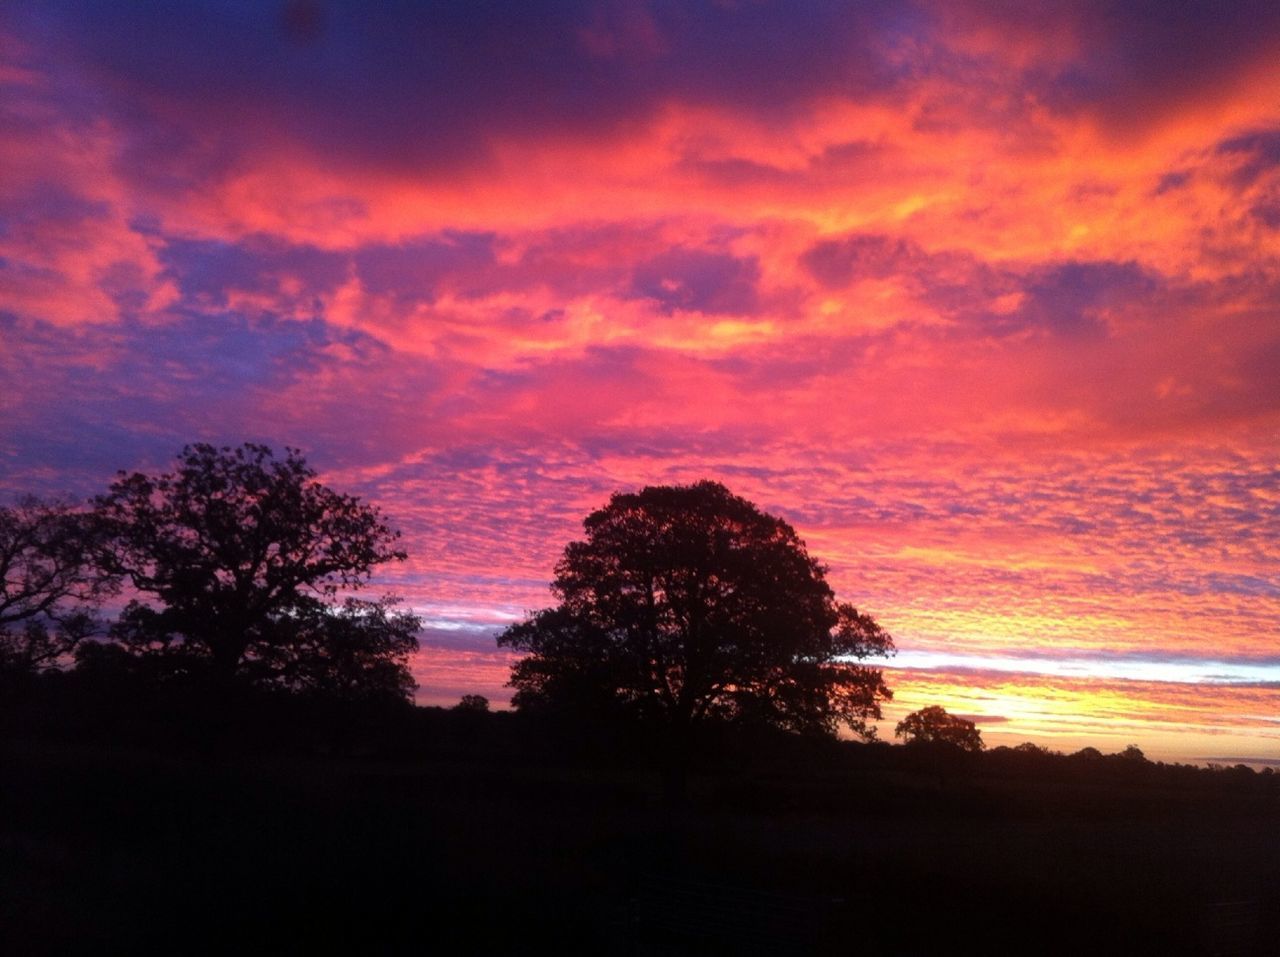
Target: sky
[(982, 297)]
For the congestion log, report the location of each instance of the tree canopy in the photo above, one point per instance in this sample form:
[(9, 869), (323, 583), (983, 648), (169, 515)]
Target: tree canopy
[(687, 603), (933, 725), (244, 556), (49, 583)]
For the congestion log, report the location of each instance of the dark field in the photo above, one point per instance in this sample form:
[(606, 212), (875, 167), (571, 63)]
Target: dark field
[(484, 834)]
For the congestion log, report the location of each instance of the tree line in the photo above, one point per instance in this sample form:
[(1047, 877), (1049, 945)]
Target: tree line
[(681, 608), (234, 567), (683, 605)]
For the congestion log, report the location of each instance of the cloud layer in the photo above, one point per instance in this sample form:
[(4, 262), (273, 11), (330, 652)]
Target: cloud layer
[(983, 298)]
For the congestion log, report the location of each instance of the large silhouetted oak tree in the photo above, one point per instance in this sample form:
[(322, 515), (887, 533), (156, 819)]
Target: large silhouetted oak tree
[(687, 604), (240, 557)]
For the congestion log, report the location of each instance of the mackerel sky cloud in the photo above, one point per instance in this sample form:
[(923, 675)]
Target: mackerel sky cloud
[(983, 298)]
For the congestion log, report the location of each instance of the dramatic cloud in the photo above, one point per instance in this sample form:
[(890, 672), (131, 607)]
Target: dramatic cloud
[(981, 296)]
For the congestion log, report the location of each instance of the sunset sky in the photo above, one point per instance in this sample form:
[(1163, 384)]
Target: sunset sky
[(983, 298)]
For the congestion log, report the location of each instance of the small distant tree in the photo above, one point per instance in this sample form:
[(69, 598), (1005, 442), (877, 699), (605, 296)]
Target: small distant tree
[(1133, 753), (472, 704), (356, 651), (687, 604), (239, 558), (1032, 749), (50, 585), (933, 725)]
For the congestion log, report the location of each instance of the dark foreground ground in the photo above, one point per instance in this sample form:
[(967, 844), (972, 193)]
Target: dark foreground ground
[(480, 839)]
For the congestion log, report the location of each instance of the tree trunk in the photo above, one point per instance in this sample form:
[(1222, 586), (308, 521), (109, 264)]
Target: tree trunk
[(227, 654), (677, 757)]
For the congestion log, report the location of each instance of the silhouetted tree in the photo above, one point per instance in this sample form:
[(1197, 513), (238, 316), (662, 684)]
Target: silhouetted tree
[(933, 725), (358, 650), (686, 604), (473, 703), (1031, 749), (244, 555), (49, 583)]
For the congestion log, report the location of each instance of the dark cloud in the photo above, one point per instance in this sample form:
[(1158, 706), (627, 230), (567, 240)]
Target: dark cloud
[(1268, 212), (1257, 154), (51, 204), (694, 279), (418, 268), (419, 86), (209, 270), (834, 164), (422, 268), (1073, 298), (1132, 63), (464, 264), (631, 259), (133, 394), (836, 263), (1172, 181), (954, 283), (428, 88)]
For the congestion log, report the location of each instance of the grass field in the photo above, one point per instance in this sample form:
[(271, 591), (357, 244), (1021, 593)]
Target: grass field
[(457, 849)]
